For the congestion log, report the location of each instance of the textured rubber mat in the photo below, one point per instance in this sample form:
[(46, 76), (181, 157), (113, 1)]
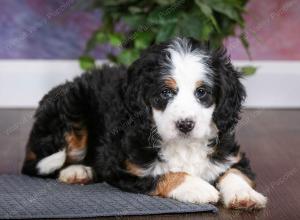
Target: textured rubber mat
[(23, 197)]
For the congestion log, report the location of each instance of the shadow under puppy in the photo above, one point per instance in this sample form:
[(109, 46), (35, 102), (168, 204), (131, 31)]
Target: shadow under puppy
[(165, 126)]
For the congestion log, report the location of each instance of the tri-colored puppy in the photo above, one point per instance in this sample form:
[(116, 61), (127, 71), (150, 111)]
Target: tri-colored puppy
[(165, 126)]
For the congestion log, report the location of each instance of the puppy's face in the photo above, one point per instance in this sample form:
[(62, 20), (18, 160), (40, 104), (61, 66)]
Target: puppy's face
[(185, 104), (192, 92)]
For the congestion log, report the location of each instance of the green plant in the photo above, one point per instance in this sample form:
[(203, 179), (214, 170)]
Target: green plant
[(154, 21)]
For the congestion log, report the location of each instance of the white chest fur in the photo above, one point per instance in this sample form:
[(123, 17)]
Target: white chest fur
[(190, 157)]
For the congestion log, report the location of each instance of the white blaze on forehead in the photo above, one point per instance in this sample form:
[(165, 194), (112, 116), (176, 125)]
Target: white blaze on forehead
[(186, 66)]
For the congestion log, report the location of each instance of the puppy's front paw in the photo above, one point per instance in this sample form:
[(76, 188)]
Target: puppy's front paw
[(244, 198), (195, 190), (76, 174)]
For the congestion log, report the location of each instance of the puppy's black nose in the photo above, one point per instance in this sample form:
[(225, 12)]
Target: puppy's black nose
[(185, 126)]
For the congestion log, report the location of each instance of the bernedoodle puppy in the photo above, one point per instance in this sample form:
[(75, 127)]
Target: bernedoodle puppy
[(165, 126)]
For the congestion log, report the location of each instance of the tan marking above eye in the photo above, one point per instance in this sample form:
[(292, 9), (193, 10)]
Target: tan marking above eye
[(170, 83), (199, 83), (168, 182)]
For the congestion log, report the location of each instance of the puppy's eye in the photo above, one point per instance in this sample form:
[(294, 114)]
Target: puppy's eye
[(200, 93), (167, 94)]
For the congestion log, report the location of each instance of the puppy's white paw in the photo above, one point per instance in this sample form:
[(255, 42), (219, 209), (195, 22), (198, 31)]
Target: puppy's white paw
[(244, 198), (237, 193), (76, 174), (195, 190)]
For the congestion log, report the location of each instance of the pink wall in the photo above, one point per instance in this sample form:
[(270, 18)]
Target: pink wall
[(273, 31)]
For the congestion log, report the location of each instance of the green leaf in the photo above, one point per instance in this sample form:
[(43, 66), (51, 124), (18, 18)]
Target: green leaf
[(134, 9), (248, 70), (244, 41), (162, 16), (108, 22), (116, 2), (165, 33), (101, 37), (134, 20), (115, 39), (127, 56), (143, 39), (87, 62), (97, 37), (91, 44), (196, 26), (207, 11), (225, 7), (165, 2)]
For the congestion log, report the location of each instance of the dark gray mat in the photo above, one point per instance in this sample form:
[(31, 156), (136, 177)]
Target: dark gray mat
[(23, 197)]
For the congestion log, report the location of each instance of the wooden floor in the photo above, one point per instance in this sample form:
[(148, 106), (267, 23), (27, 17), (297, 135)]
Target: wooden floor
[(271, 139)]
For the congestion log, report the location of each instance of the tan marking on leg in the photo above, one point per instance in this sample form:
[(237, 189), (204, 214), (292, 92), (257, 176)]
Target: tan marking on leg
[(232, 158), (30, 155), (170, 83), (237, 158), (76, 144), (239, 173), (133, 168), (169, 182)]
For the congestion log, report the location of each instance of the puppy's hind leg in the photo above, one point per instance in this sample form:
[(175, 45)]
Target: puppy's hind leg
[(47, 149), (43, 159), (59, 133)]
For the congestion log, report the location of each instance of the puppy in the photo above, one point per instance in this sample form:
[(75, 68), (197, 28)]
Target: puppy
[(164, 127)]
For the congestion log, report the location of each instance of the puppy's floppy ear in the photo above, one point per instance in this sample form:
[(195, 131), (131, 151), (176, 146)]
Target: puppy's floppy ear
[(133, 88), (141, 76), (229, 91)]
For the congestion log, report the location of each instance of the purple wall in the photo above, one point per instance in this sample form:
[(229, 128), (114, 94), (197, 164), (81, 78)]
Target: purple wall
[(58, 29), (49, 29)]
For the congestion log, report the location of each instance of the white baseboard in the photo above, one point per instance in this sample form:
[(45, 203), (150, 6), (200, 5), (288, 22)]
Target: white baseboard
[(276, 84)]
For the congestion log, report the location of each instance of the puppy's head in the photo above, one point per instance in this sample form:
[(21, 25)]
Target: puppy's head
[(189, 90)]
